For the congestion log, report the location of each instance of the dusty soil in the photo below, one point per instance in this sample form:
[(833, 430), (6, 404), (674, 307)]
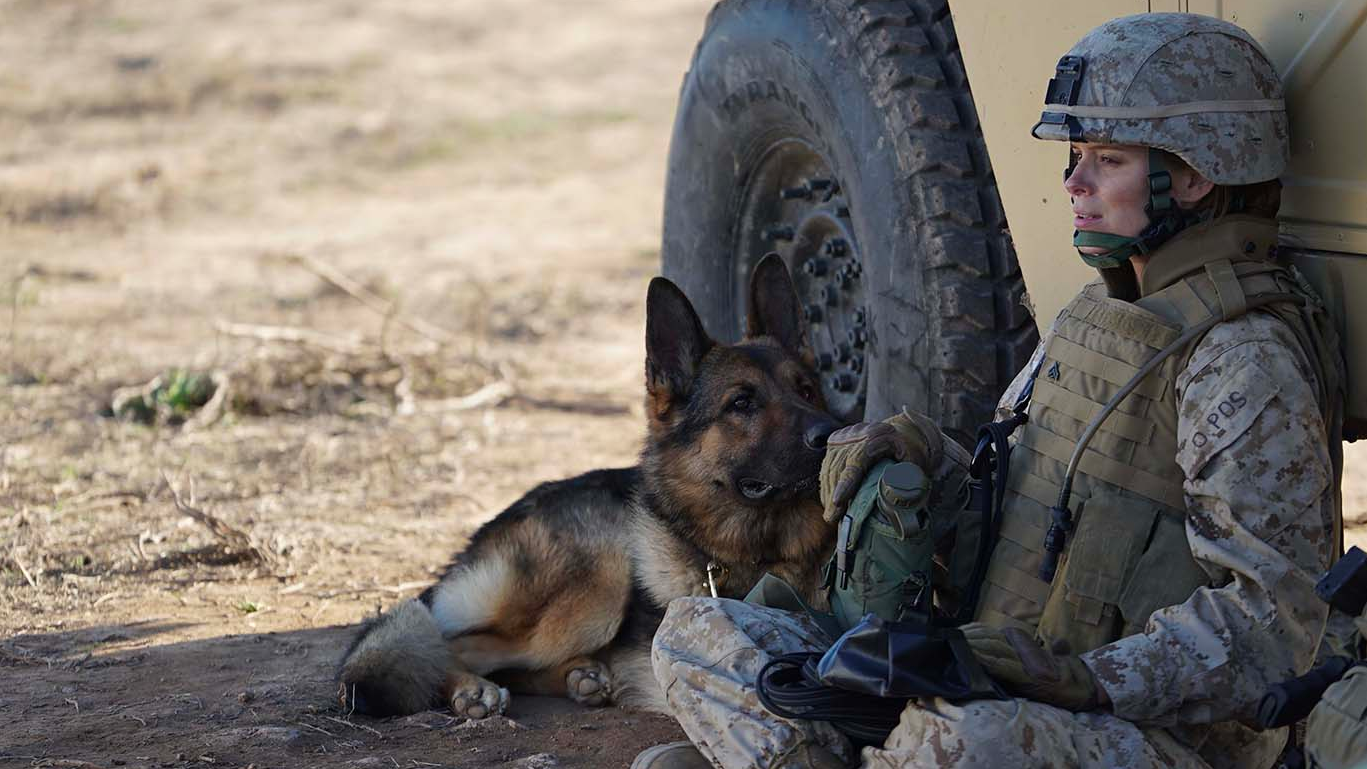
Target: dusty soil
[(412, 239), (488, 174)]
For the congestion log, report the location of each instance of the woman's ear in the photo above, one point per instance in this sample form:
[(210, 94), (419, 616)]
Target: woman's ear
[(1189, 187)]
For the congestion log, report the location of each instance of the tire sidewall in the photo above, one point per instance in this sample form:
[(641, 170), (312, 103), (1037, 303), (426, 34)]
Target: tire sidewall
[(764, 71)]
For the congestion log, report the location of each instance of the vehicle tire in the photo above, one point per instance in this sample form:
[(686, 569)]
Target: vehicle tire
[(842, 135)]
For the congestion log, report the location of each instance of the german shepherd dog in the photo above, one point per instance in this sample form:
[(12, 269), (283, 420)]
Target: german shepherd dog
[(561, 593)]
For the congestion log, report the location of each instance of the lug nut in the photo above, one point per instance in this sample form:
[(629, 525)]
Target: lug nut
[(858, 337), (861, 316), (830, 295), (843, 382), (812, 313), (857, 363), (842, 353), (847, 274), (794, 193), (816, 267), (836, 247), (777, 232), (824, 362)]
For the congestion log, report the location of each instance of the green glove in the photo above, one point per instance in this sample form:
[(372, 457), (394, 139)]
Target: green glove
[(1027, 670), (852, 451)]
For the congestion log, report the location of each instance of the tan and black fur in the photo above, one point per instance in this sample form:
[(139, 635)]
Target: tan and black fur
[(562, 592)]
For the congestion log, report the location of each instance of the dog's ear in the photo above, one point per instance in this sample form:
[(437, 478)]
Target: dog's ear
[(773, 308), (675, 344)]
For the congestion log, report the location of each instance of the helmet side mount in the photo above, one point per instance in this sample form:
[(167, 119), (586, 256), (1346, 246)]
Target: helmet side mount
[(1063, 89)]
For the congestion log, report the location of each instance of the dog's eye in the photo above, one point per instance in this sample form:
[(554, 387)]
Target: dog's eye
[(805, 392), (741, 404)]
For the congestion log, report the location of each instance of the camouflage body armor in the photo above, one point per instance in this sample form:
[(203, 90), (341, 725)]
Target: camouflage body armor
[(1127, 555)]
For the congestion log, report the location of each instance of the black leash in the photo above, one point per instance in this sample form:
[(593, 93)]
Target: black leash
[(987, 489), (790, 687)]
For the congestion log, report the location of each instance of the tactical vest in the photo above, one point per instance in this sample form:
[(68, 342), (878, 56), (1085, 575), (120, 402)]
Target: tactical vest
[(1127, 555)]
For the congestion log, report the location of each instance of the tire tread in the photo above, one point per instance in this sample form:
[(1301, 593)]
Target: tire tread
[(971, 276)]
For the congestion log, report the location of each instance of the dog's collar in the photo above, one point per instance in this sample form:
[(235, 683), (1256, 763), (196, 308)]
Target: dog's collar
[(715, 573)]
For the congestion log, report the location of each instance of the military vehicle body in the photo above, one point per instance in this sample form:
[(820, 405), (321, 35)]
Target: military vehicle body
[(883, 149)]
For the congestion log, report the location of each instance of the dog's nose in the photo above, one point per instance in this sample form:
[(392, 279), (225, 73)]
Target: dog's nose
[(816, 435)]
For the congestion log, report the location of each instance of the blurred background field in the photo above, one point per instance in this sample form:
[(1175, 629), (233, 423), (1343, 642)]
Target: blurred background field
[(357, 275), (409, 241)]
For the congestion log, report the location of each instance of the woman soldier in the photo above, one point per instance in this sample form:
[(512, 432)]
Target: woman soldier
[(1138, 603)]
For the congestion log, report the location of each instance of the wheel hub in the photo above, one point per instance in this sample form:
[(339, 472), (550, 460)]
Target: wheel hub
[(794, 206)]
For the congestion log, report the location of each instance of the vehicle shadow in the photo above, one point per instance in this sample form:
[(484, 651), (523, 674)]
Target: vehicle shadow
[(111, 696)]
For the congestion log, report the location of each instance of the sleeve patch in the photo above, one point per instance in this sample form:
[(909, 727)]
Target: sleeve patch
[(1208, 425)]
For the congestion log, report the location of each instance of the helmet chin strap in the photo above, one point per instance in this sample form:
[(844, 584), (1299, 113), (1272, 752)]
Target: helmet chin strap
[(1163, 223)]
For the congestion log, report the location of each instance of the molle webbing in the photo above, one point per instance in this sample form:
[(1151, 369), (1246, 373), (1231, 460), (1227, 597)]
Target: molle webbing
[(1128, 555), (1129, 500)]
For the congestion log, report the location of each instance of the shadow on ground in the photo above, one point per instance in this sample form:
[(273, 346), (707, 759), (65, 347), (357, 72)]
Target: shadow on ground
[(103, 695)]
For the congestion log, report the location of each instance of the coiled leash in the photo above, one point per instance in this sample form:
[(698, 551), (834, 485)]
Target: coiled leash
[(790, 687)]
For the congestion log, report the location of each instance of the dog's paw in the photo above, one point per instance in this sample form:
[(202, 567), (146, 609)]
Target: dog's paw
[(589, 684), (477, 698)]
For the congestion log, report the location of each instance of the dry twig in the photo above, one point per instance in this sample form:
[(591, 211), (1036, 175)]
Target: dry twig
[(306, 336), (24, 570), (231, 537), (492, 394), (365, 296), (355, 725)]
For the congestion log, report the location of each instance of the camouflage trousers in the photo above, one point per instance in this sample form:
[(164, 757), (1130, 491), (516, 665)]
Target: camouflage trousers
[(708, 652)]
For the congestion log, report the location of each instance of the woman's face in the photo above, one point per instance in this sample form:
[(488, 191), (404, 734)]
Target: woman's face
[(1109, 187)]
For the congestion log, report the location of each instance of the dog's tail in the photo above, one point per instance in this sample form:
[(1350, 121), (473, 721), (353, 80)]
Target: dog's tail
[(397, 665)]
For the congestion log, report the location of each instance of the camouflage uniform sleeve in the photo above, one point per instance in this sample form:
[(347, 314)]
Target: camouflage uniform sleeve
[(1261, 512)]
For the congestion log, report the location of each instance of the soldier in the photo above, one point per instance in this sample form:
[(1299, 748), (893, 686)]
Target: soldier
[(1203, 507)]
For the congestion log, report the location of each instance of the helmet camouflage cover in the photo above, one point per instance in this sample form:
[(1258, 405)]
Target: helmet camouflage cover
[(1196, 86)]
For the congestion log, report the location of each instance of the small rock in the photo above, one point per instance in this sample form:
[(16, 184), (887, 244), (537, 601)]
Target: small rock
[(246, 697), (489, 724), (537, 761)]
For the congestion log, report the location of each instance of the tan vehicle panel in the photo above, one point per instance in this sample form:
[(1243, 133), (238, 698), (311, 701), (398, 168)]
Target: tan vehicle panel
[(1319, 46)]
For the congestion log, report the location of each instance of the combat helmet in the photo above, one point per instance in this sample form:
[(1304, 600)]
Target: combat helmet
[(1198, 87)]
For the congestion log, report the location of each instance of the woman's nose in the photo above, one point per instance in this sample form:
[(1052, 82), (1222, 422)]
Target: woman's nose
[(1077, 182)]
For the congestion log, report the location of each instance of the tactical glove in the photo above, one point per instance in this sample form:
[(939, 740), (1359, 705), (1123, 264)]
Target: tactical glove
[(1027, 670), (852, 451)]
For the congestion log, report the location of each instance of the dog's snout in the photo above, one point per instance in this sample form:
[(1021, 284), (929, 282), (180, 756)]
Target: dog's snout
[(815, 436)]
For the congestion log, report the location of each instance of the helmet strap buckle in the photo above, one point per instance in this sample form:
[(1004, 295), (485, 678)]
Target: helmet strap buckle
[(1160, 185)]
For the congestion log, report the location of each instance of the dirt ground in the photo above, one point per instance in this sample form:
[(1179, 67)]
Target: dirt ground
[(409, 242), (175, 178)]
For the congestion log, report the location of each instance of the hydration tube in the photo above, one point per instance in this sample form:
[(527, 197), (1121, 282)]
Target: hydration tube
[(1061, 517)]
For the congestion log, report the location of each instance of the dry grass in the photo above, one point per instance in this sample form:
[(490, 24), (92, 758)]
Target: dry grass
[(408, 244)]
